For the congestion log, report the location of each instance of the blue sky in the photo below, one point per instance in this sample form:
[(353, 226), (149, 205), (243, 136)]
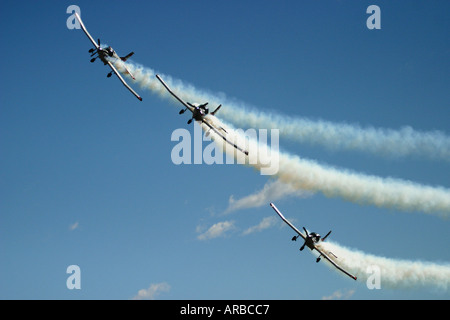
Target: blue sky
[(86, 172)]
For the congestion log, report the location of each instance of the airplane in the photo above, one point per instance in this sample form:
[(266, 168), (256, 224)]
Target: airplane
[(311, 241), (199, 113), (104, 54)]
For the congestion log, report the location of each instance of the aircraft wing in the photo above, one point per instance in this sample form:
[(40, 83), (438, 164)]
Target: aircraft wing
[(173, 94), (123, 81), (223, 137), (287, 221), (334, 263), (85, 31)]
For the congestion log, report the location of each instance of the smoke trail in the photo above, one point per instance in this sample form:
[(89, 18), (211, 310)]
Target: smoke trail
[(378, 141), (388, 142), (309, 175), (302, 174), (273, 190), (363, 189), (393, 273)]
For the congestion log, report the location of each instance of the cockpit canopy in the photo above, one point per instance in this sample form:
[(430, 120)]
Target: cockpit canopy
[(315, 236), (110, 51)]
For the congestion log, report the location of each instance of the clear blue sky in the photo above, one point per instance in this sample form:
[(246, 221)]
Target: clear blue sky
[(86, 173)]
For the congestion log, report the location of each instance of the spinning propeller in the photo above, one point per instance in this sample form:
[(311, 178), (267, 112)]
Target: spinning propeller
[(94, 51)]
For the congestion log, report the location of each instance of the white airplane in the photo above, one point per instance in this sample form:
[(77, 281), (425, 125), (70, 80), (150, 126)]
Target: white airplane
[(199, 113), (311, 239), (105, 54)]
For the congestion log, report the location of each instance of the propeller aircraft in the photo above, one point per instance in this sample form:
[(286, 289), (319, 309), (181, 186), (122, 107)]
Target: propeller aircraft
[(200, 113), (105, 55), (311, 241)]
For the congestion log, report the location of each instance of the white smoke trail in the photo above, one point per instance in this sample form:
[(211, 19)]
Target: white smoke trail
[(273, 190), (363, 189), (309, 175), (378, 141), (393, 273), (302, 174)]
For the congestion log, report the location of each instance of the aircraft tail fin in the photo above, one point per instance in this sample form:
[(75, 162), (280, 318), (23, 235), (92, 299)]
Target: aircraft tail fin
[(323, 239), (217, 109), (127, 56)]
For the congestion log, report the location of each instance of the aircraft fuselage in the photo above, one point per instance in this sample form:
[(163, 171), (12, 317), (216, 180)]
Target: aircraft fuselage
[(311, 241), (104, 53), (198, 113)]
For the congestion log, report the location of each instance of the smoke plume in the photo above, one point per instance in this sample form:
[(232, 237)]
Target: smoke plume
[(303, 174), (393, 273)]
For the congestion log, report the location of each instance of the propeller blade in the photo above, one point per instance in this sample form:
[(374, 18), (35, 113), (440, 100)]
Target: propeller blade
[(98, 41)]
